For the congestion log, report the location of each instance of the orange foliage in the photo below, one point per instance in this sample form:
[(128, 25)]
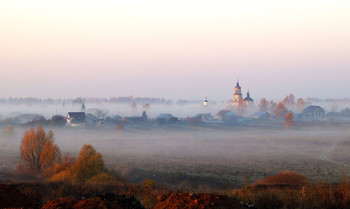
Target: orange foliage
[(89, 164), (280, 110), (38, 150), (284, 178), (289, 121)]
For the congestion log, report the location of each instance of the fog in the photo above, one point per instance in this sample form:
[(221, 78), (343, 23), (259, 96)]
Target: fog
[(124, 110), (224, 153)]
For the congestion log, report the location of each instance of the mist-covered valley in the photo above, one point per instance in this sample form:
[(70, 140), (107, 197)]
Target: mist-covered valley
[(215, 156)]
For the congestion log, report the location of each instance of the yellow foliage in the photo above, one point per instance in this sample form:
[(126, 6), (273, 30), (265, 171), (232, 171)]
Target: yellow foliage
[(89, 164), (102, 178), (63, 176)]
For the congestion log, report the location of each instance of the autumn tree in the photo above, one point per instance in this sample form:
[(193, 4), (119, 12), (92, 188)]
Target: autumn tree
[(88, 165), (300, 105), (263, 106), (272, 106), (146, 107), (133, 108), (289, 121), (291, 99), (119, 127), (38, 150), (280, 110), (89, 168)]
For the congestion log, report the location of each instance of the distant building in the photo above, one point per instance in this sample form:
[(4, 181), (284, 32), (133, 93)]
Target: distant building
[(137, 120), (262, 116), (28, 118), (248, 101), (226, 116), (76, 118), (166, 118), (205, 103), (205, 118), (313, 112), (238, 98)]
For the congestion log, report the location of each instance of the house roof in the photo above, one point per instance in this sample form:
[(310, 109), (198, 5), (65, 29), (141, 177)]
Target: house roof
[(164, 116), (224, 113), (76, 114), (311, 109), (248, 98), (91, 116)]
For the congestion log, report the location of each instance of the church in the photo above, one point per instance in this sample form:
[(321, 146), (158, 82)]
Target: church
[(238, 98)]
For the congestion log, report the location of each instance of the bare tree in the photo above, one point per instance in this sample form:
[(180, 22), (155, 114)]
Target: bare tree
[(133, 108), (263, 106), (300, 105)]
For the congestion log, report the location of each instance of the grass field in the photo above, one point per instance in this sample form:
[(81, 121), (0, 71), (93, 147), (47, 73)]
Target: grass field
[(199, 157)]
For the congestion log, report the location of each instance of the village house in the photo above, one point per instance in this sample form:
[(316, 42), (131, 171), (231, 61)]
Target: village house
[(313, 112), (76, 118)]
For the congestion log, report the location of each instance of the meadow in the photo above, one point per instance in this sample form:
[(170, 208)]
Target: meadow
[(197, 158)]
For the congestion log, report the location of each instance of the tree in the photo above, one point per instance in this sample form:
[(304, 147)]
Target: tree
[(300, 105), (58, 120), (272, 106), (280, 110), (133, 108), (146, 107), (291, 99), (289, 121), (263, 106), (38, 150), (88, 165), (119, 127), (83, 108)]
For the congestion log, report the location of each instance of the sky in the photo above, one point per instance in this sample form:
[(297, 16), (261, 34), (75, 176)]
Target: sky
[(174, 49)]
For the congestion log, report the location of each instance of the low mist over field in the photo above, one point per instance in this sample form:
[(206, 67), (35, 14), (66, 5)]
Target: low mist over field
[(223, 155)]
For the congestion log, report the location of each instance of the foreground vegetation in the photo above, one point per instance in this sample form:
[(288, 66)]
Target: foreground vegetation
[(233, 167)]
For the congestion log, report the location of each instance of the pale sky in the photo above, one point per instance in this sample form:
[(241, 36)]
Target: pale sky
[(174, 49)]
